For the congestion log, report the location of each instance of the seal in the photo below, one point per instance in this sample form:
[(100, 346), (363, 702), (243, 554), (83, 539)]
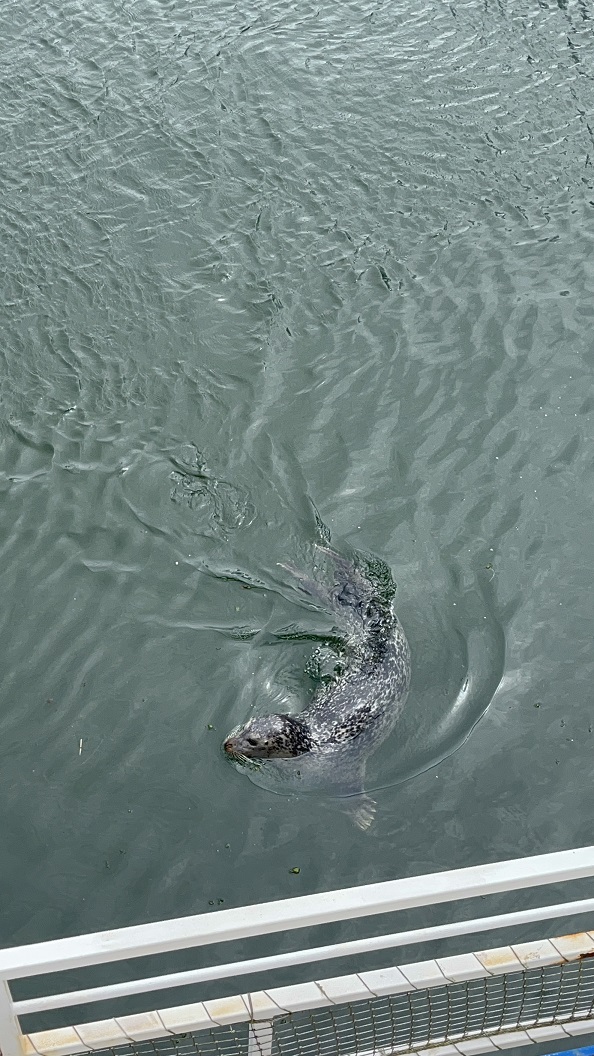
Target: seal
[(354, 711)]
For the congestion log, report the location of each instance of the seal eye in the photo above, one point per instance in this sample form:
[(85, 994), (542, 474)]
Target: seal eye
[(253, 741)]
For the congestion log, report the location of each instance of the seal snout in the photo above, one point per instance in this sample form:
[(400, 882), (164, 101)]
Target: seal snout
[(230, 746)]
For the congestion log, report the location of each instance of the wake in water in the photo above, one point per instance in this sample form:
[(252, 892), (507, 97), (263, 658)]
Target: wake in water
[(223, 531)]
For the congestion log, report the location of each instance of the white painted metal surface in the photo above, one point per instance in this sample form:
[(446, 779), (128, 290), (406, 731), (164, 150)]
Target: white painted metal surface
[(311, 956), (288, 914), (260, 1042), (260, 1008), (10, 1032)]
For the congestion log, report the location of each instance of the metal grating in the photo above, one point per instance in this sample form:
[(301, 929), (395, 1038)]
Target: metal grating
[(224, 1041), (406, 1022)]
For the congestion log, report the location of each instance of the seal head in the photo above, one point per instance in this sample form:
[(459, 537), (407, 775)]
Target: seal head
[(270, 737)]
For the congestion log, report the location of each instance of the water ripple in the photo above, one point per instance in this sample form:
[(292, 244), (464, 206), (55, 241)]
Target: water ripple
[(253, 254)]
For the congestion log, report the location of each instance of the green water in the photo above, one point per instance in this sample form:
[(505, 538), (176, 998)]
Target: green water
[(257, 254)]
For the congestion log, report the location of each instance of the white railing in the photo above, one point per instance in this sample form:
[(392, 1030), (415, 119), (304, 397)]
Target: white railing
[(265, 919)]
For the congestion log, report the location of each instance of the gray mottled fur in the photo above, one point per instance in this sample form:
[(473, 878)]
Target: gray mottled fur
[(350, 716)]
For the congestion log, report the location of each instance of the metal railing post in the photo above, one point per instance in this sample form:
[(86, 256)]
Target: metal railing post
[(10, 1031), (260, 1038)]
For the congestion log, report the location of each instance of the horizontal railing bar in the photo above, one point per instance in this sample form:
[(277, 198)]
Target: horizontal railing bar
[(299, 912), (284, 960)]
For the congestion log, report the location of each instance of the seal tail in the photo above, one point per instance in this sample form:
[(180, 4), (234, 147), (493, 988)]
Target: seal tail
[(350, 592), (308, 586)]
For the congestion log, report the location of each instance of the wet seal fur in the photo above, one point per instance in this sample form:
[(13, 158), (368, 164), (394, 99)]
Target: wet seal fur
[(350, 715)]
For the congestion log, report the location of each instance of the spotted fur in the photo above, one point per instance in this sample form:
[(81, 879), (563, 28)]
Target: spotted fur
[(360, 706)]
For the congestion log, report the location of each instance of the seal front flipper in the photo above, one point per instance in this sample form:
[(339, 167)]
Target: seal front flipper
[(348, 787), (360, 810), (363, 810)]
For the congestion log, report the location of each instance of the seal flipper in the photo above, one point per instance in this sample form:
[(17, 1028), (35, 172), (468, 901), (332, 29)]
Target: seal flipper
[(363, 811), (360, 806), (308, 586), (353, 800), (348, 596)]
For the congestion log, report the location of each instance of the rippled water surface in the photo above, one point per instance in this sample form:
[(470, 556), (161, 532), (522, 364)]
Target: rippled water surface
[(259, 254)]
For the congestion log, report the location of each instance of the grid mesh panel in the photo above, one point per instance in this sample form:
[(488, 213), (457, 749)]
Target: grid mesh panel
[(224, 1041), (405, 1022)]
